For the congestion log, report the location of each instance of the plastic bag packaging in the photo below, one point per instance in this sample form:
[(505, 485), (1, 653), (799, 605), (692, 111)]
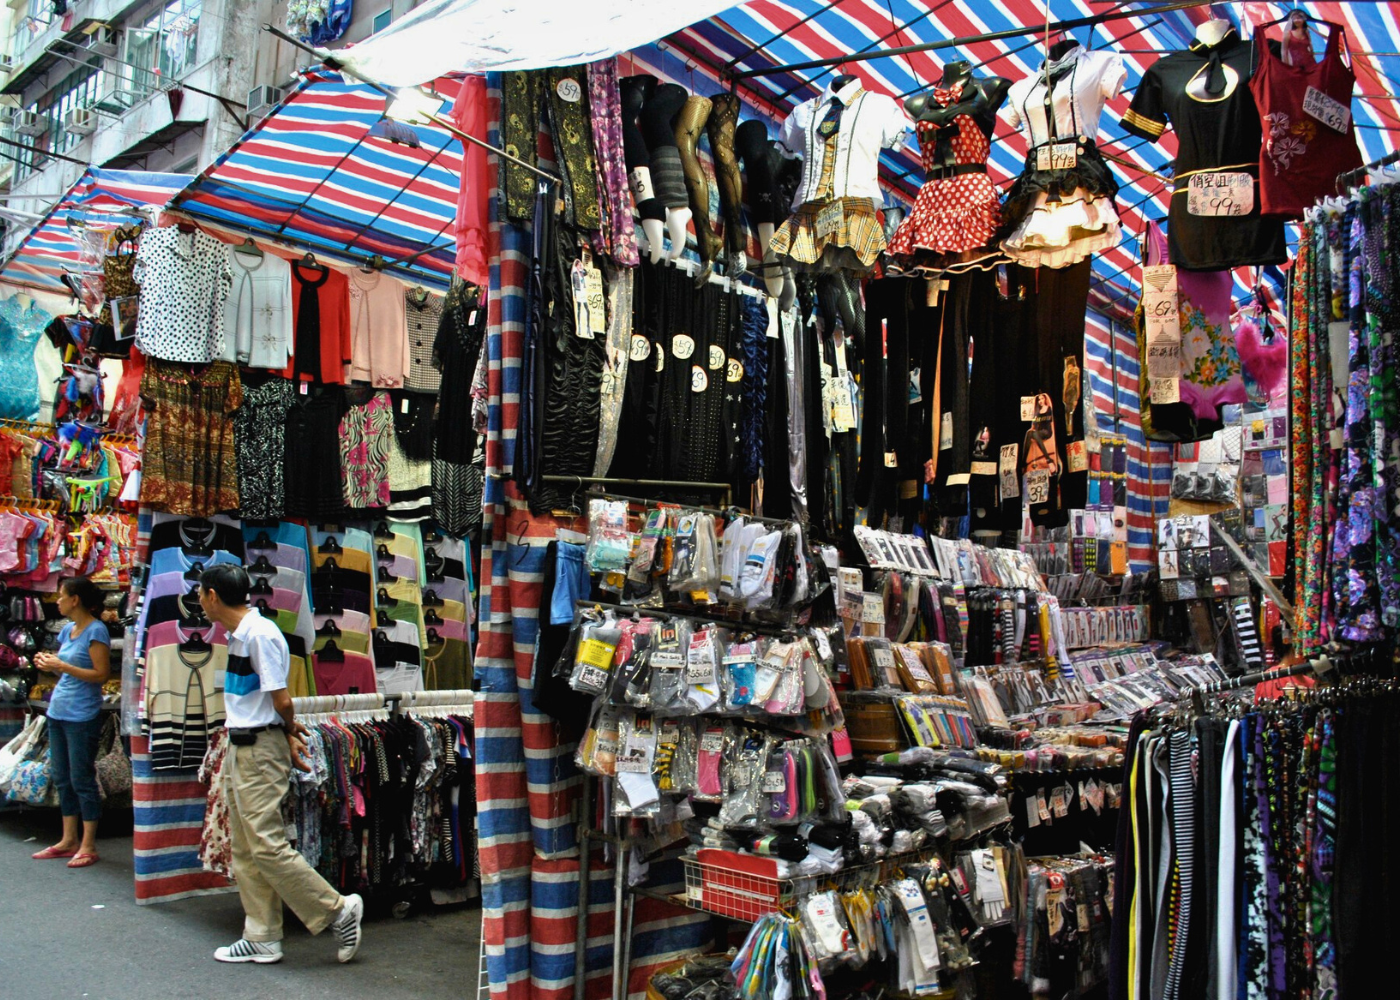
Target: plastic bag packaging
[(703, 659), (985, 878), (677, 747), (746, 757), (709, 764), (641, 583), (731, 558), (684, 550), (827, 932), (781, 785), (789, 696), (760, 565), (737, 676), (631, 672), (637, 794), (770, 670), (598, 639), (669, 690), (609, 540), (597, 751)]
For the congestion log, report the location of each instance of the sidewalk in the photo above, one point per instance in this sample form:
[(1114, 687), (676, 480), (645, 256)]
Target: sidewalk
[(79, 934)]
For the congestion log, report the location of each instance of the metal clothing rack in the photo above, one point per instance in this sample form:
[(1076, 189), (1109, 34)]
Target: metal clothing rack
[(1352, 178), (396, 703), (653, 502), (774, 631), (673, 484), (1320, 666)]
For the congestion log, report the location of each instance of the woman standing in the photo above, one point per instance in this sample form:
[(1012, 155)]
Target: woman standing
[(83, 663)]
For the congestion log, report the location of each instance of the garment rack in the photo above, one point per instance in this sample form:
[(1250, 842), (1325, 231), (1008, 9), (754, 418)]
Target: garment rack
[(398, 702), (1352, 178), (773, 631), (716, 511), (1319, 666), (673, 484)]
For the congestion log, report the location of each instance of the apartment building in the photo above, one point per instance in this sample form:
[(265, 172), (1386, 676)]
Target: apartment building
[(162, 85)]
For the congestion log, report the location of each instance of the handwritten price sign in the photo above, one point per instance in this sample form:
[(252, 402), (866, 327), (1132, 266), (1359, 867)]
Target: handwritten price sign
[(1220, 194)]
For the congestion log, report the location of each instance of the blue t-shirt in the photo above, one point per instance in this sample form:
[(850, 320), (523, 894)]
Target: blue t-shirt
[(74, 700)]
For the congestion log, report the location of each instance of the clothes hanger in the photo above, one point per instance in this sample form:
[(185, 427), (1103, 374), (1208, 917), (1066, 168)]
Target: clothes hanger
[(262, 541), (382, 619), (431, 617), (329, 628), (195, 643), (331, 653), (249, 248), (309, 261), (330, 545), (263, 566), (431, 599), (261, 587), (382, 530)]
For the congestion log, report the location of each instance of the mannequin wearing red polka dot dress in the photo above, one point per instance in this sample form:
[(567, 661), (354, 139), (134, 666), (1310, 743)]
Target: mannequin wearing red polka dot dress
[(957, 209)]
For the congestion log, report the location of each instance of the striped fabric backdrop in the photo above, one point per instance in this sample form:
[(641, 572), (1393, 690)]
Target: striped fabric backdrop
[(168, 808), (100, 200), (1111, 358), (527, 785)]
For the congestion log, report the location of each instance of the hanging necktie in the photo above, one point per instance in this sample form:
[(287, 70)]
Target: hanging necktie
[(832, 120)]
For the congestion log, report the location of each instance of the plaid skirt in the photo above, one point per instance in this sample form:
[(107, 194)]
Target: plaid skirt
[(856, 243)]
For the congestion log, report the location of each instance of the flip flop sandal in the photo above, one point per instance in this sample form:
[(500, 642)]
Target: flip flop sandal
[(83, 860), (49, 853)]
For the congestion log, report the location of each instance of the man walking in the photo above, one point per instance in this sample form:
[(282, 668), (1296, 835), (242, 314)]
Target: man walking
[(265, 742)]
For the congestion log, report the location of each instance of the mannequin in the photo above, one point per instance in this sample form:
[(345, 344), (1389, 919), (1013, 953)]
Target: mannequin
[(690, 124), (1210, 33), (635, 91), (721, 129), (1058, 49), (981, 99), (766, 203), (657, 122)]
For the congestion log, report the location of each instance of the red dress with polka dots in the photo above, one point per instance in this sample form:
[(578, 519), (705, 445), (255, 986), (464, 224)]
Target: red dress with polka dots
[(957, 209)]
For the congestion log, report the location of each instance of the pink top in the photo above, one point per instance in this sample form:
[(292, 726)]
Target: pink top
[(338, 678), (378, 331)]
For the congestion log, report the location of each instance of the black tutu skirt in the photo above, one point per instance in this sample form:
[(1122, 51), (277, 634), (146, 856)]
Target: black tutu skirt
[(1089, 176)]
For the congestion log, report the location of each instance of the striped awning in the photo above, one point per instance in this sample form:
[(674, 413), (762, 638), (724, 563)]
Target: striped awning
[(768, 33), (311, 175), (99, 202)]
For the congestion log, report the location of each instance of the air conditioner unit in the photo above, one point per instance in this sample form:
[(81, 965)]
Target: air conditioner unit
[(262, 99), (80, 121), (30, 123), (103, 41), (7, 64)]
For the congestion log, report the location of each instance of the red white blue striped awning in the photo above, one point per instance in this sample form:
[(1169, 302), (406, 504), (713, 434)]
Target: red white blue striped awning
[(100, 201), (310, 175), (769, 33)]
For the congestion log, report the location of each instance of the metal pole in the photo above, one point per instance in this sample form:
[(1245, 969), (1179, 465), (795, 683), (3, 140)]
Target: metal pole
[(619, 988), (949, 43), (585, 864)]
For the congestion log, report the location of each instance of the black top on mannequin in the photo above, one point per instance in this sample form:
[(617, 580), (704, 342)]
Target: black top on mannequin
[(981, 97)]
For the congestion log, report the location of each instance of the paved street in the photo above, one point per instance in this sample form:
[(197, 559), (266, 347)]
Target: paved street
[(79, 934)]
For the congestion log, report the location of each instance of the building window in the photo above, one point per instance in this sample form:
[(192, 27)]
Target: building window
[(381, 20), (162, 47), (29, 25)]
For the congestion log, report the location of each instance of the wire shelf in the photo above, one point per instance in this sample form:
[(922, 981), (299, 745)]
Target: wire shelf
[(745, 887)]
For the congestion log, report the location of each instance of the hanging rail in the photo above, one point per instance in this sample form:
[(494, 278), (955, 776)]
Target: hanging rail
[(401, 701), (988, 36), (672, 484), (1319, 666), (1352, 177)]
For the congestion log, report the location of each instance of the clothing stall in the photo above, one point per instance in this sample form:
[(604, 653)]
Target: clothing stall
[(837, 499)]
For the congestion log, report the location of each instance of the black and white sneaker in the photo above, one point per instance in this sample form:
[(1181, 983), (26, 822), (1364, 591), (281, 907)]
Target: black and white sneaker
[(243, 950), (347, 927)]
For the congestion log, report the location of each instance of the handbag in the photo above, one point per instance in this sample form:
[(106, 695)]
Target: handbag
[(17, 750), (113, 765), (32, 783)]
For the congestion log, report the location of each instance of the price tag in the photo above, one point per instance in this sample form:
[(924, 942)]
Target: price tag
[(1078, 456), (945, 432), (774, 782), (1027, 408), (640, 179), (1159, 304), (1057, 156), (1331, 112), (597, 310), (1010, 482), (829, 219), (639, 748), (1164, 360), (891, 460), (712, 741), (699, 380), (304, 387), (1038, 486), (843, 415), (1166, 390), (578, 285), (872, 610), (1222, 193), (700, 664), (984, 468), (682, 346), (569, 90)]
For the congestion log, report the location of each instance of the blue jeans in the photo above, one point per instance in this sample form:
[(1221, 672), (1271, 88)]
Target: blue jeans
[(72, 752)]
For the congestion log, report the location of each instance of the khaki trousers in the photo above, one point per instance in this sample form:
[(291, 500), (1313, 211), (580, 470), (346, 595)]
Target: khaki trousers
[(267, 868)]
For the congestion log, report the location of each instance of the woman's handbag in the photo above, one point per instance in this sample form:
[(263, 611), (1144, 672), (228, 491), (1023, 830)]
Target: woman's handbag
[(17, 750), (113, 765), (32, 782)]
